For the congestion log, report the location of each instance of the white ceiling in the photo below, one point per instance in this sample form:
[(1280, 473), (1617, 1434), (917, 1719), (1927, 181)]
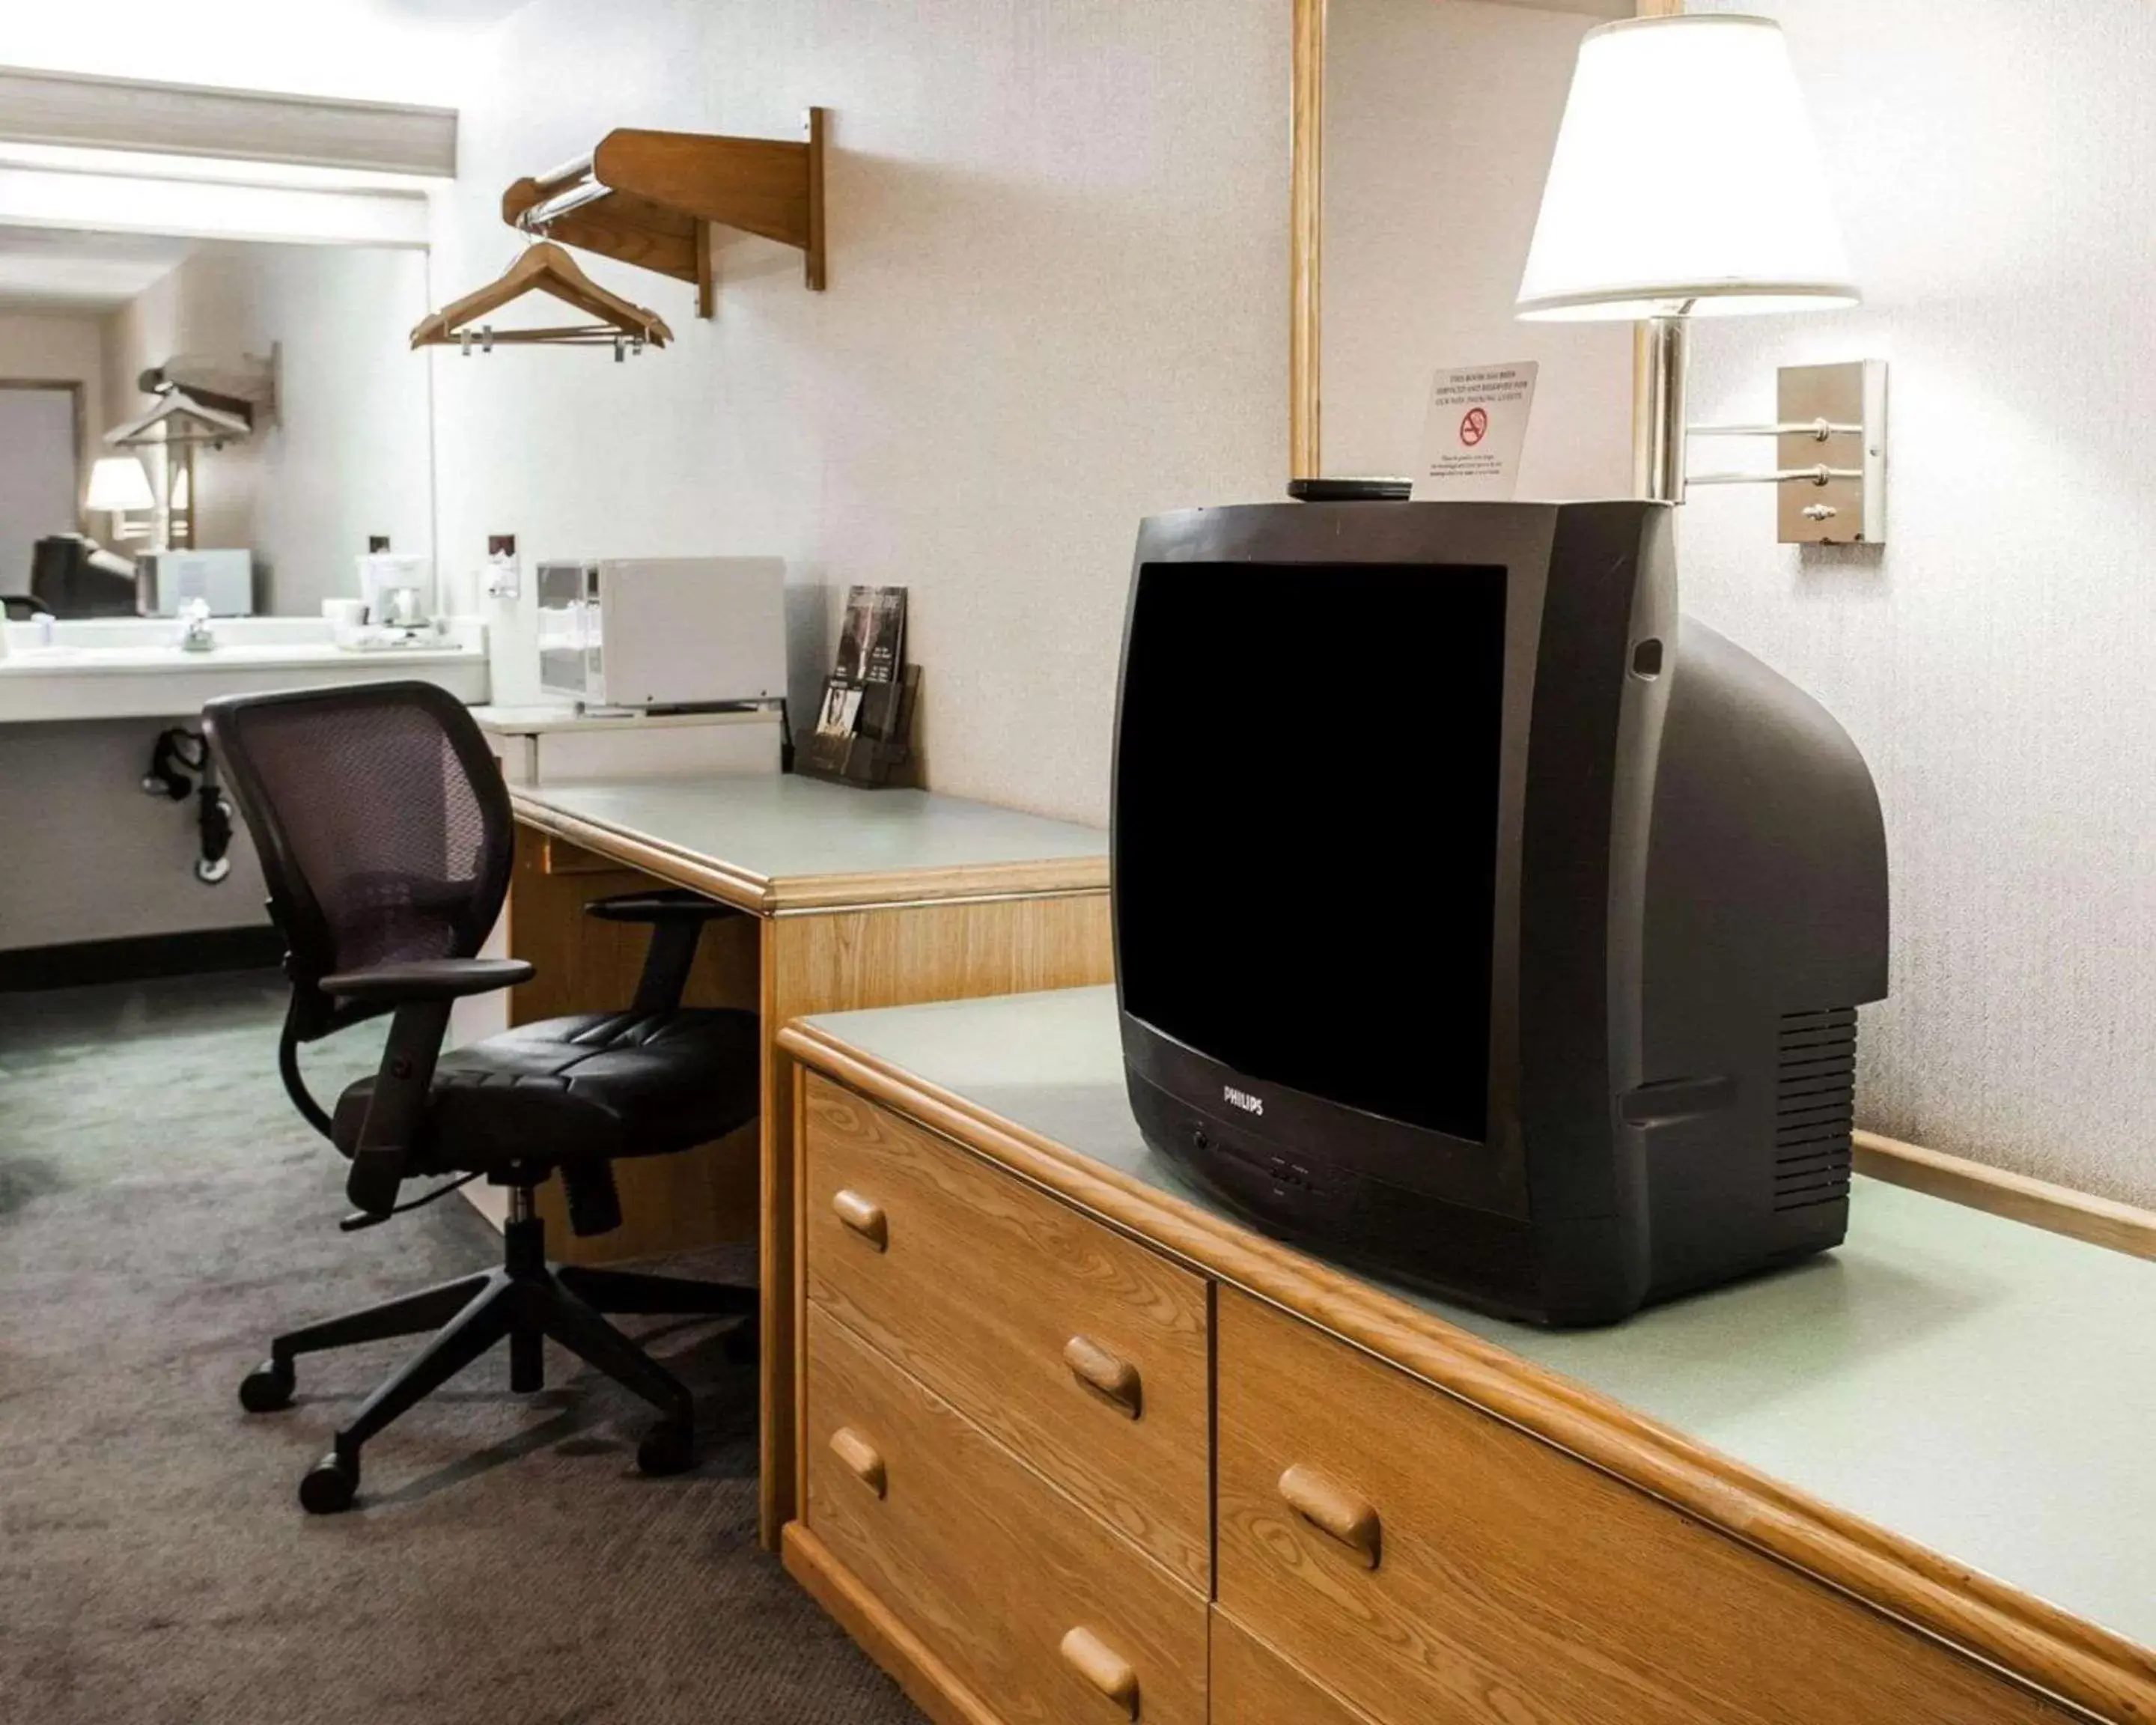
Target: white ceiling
[(63, 270), (454, 12)]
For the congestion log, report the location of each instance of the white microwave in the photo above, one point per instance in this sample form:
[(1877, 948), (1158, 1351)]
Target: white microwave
[(166, 580), (639, 633)]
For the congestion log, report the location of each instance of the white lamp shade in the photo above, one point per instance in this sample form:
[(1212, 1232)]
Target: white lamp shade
[(116, 483), (1685, 170)]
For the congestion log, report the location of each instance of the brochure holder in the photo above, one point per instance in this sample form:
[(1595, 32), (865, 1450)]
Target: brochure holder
[(862, 757)]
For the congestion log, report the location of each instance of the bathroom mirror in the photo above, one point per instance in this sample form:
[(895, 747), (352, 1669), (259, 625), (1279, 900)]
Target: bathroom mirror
[(303, 346)]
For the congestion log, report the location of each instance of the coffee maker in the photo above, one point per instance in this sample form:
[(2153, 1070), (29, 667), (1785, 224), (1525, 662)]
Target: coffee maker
[(398, 589)]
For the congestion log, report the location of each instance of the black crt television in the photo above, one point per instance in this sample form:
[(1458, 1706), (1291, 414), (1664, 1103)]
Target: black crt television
[(1479, 919)]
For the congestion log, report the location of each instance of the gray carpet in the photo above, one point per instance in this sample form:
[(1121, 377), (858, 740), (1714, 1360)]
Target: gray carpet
[(162, 1213)]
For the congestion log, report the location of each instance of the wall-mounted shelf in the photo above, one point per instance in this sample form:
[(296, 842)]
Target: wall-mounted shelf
[(650, 198)]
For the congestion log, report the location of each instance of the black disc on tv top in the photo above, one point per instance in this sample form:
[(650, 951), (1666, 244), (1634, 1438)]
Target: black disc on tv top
[(1350, 490)]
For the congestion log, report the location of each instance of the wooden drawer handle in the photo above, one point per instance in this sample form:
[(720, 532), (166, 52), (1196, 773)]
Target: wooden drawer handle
[(1101, 1666), (1111, 1377), (864, 1218), (861, 1458), (1334, 1511)]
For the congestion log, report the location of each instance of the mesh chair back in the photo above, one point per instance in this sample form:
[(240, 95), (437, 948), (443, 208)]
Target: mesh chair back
[(382, 823)]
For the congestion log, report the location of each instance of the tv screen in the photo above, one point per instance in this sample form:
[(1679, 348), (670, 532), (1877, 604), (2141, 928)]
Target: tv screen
[(1259, 730)]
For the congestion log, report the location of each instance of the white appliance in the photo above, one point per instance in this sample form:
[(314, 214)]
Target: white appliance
[(639, 633), (166, 580), (398, 589)]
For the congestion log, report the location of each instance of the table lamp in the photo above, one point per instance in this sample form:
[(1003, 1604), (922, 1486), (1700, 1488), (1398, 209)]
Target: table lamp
[(1687, 183), (117, 485)]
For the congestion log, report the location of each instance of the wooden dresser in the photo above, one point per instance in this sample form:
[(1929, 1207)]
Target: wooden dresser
[(1073, 1447)]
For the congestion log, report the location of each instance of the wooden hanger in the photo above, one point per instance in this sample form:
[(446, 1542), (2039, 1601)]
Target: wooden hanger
[(178, 418), (543, 268)]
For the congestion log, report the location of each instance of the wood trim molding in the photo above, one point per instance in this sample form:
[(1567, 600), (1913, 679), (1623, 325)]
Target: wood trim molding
[(2023, 1636), (2101, 1221), (1305, 236), (41, 107), (709, 875), (737, 886)]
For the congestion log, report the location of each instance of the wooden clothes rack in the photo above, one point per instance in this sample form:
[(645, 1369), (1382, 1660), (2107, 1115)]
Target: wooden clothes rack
[(650, 198)]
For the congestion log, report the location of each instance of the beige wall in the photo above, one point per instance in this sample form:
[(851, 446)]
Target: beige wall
[(348, 452), (1996, 181), (1057, 265)]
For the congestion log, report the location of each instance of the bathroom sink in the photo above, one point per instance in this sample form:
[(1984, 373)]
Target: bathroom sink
[(135, 668)]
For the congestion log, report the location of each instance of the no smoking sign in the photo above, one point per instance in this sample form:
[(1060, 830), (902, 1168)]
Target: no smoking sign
[(1475, 424)]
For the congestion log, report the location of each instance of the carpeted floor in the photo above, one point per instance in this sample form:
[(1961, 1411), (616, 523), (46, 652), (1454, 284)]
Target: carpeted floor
[(162, 1213)]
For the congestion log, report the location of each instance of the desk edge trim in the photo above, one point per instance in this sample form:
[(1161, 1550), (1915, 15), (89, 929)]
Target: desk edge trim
[(813, 892), (2024, 1637)]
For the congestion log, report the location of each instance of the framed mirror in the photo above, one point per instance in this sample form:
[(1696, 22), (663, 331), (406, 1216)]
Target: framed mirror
[(1420, 130), (315, 432)]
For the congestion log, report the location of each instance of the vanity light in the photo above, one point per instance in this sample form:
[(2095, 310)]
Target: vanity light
[(1687, 182), (117, 485)]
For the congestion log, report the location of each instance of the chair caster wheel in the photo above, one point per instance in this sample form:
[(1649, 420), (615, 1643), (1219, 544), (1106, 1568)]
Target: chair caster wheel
[(267, 1387), (744, 1342), (668, 1447), (330, 1485)]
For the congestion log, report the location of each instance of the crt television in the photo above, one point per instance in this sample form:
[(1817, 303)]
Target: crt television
[(1478, 919)]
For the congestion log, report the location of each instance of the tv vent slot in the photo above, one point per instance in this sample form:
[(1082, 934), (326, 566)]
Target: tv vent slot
[(1814, 1107)]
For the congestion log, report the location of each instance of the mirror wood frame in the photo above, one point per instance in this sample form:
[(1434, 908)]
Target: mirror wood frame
[(1307, 237)]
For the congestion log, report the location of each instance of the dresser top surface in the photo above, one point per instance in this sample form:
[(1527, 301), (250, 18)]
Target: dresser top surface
[(774, 832), (1980, 1387)]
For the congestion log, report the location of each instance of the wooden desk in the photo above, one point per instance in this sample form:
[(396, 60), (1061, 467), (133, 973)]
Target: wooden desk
[(1910, 1481), (856, 899)]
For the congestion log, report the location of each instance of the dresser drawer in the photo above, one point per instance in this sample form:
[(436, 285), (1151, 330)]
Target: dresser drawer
[(1437, 1566), (1252, 1685), (1036, 1605), (1084, 1352)]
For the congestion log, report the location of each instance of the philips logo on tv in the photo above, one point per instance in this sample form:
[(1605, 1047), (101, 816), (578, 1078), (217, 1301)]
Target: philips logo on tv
[(1244, 1100)]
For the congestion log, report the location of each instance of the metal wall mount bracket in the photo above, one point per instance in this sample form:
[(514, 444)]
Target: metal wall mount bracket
[(1831, 446)]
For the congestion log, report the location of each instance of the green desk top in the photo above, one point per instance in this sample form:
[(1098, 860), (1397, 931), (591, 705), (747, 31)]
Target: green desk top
[(1978, 1386), (778, 827)]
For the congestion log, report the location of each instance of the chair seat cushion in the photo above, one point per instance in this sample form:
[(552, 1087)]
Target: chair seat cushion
[(568, 1090)]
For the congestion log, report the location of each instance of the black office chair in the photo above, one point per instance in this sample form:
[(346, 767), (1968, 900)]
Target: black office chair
[(385, 835)]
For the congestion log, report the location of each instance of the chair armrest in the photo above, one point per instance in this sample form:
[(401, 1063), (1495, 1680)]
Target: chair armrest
[(677, 919), (672, 905), (426, 979)]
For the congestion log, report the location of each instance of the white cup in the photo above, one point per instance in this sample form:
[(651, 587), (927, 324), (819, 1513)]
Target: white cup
[(347, 618)]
